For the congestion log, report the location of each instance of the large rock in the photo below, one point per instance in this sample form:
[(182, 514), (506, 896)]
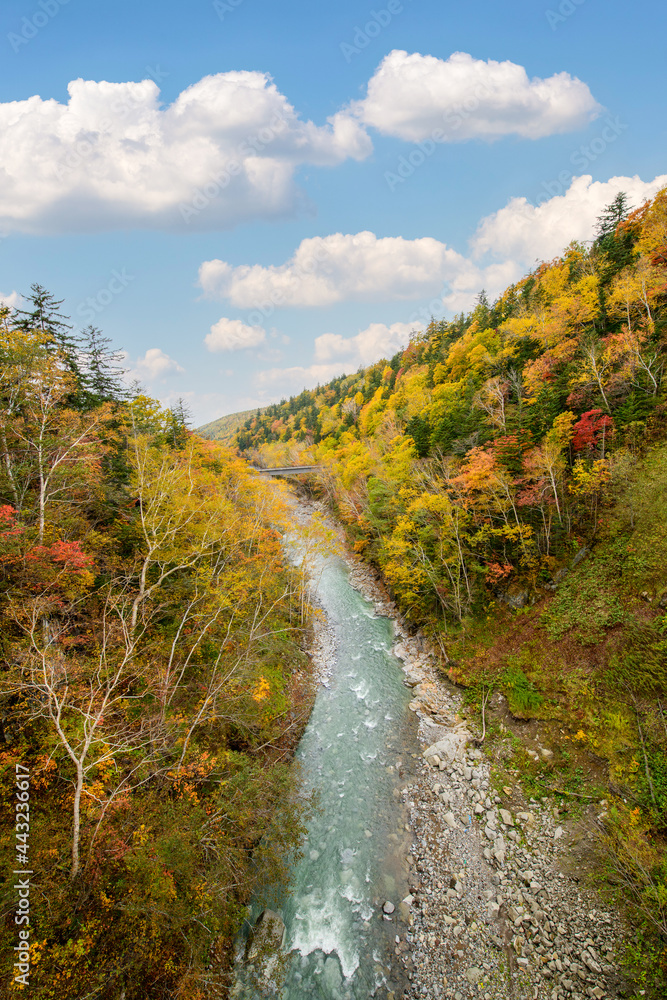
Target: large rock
[(450, 820), (265, 945), (449, 747), (580, 556), (432, 731), (332, 977), (413, 677), (515, 596), (499, 849)]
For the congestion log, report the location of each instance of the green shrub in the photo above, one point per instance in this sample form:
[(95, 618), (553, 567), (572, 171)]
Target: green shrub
[(523, 698)]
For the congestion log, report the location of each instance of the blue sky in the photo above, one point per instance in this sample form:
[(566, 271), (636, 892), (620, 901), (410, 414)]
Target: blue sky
[(422, 150)]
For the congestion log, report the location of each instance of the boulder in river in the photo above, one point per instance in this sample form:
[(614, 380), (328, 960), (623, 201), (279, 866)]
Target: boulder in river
[(264, 948), (269, 931)]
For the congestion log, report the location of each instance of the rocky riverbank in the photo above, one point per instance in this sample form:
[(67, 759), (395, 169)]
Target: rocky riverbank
[(499, 905), (495, 908)]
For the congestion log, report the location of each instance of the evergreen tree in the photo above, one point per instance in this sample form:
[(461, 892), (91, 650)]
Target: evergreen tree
[(614, 245), (482, 310), (179, 419), (617, 211), (45, 317), (102, 376)]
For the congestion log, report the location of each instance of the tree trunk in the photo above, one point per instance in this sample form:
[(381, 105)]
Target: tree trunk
[(42, 508), (76, 821), (554, 487), (8, 466)]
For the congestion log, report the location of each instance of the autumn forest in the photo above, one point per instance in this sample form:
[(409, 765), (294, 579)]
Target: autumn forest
[(505, 474), (153, 679)]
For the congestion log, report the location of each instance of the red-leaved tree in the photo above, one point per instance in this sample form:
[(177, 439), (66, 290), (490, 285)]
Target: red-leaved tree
[(591, 431)]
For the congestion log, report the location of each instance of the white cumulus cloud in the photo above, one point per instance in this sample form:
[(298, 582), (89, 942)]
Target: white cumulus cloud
[(156, 365), (335, 354), (375, 342), (224, 152), (364, 267), (412, 95), (329, 269), (233, 335), (523, 233), (461, 293), (13, 300), (292, 380)]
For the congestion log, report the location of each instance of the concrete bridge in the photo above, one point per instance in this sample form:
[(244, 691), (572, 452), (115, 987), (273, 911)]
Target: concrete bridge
[(287, 470)]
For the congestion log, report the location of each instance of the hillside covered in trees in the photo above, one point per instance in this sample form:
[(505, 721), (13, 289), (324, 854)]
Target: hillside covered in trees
[(507, 474), (152, 679), (474, 459)]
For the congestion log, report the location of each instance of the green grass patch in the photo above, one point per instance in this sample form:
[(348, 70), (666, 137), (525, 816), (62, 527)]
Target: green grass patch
[(588, 603)]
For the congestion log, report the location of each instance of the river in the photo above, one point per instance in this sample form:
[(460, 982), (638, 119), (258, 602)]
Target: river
[(356, 753)]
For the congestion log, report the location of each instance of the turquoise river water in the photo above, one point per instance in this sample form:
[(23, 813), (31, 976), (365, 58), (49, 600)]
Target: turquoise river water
[(355, 754)]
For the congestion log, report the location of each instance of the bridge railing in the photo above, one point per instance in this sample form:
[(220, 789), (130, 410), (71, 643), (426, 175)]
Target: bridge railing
[(286, 470)]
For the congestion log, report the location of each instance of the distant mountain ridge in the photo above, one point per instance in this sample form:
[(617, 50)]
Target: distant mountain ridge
[(224, 428)]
